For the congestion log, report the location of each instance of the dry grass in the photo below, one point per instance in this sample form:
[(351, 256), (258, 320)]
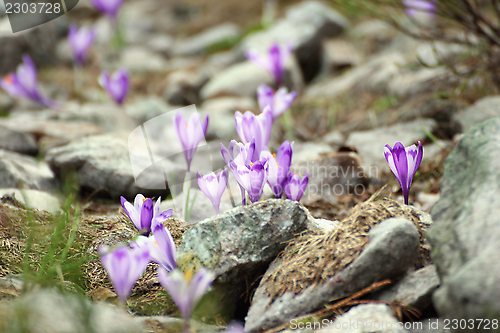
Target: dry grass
[(313, 259)]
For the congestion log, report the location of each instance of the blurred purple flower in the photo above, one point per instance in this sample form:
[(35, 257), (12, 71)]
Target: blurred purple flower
[(252, 178), (161, 246), (23, 83), (416, 7), (107, 7), (80, 41), (249, 126), (186, 291), (190, 134), (279, 102), (213, 186), (143, 214), (124, 266), (294, 188), (404, 163), (277, 167), (274, 62), (117, 85)]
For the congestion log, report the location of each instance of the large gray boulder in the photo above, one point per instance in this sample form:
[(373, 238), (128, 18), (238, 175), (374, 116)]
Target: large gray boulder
[(102, 165), (466, 229), (484, 109), (21, 171), (392, 249), (239, 244)]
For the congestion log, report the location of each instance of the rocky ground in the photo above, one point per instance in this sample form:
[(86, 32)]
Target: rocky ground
[(351, 244)]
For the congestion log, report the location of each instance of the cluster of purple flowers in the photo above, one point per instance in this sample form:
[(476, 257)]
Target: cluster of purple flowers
[(126, 263), (23, 83)]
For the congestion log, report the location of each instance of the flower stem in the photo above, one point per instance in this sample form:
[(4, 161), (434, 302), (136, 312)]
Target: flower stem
[(186, 187), (78, 74), (185, 325)]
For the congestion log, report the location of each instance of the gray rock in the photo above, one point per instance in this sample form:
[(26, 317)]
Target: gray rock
[(108, 116), (198, 44), (363, 319), (374, 33), (23, 171), (334, 138), (218, 61), (239, 243), (414, 290), (161, 44), (34, 199), (304, 152), (375, 74), (182, 88), (50, 126), (18, 141), (428, 200), (392, 249), (466, 228), (222, 128), (483, 109), (39, 42), (64, 52), (409, 83), (331, 175), (229, 105), (339, 54), (305, 26), (322, 225), (102, 164), (47, 310), (148, 107), (242, 79), (435, 53), (141, 59), (370, 144)]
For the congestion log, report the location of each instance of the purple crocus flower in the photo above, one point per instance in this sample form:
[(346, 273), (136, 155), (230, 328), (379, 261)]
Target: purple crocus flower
[(117, 84), (213, 186), (249, 126), (190, 134), (277, 167), (238, 154), (23, 83), (80, 41), (107, 7), (416, 7), (124, 266), (252, 178), (143, 214), (404, 163), (279, 102), (161, 247), (273, 62), (294, 188), (186, 290)]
